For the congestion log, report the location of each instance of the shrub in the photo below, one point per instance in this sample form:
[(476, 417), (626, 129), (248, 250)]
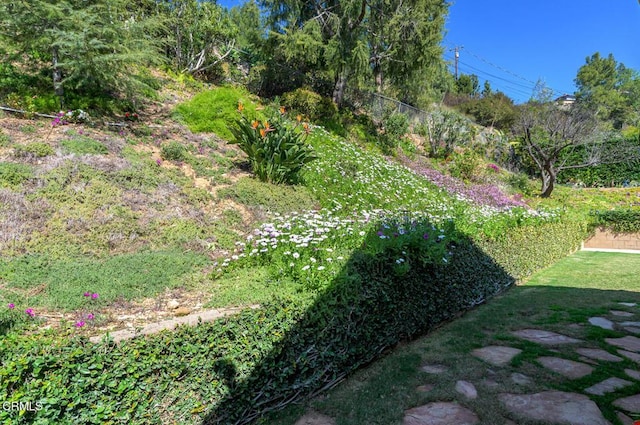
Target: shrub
[(620, 220), (310, 104), (173, 151), (395, 127), (277, 151), (466, 166), (215, 110), (35, 149), (84, 146), (12, 175)]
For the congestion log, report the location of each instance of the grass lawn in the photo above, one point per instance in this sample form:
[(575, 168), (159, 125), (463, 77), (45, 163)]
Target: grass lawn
[(560, 298)]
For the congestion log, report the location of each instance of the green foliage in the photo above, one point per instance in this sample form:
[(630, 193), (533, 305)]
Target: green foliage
[(82, 145), (173, 151), (444, 130), (396, 125), (5, 140), (277, 151), (35, 149), (99, 47), (522, 250), (274, 198), (618, 220), (216, 110), (492, 110), (467, 165), (13, 175), (310, 104)]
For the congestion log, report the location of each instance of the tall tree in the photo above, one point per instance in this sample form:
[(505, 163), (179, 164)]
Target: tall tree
[(369, 42), (90, 46), (609, 88)]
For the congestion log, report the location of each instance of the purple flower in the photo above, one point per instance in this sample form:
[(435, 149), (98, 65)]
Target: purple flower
[(158, 161), (380, 233), (94, 296), (11, 306), (87, 294), (79, 324), (30, 312), (425, 236), (90, 316)]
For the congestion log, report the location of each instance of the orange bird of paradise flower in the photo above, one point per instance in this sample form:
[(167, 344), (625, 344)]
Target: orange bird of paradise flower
[(283, 110), (240, 107)]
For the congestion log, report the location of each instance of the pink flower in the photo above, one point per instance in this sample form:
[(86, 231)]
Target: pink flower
[(30, 312), (79, 324), (94, 296), (11, 306), (90, 316)]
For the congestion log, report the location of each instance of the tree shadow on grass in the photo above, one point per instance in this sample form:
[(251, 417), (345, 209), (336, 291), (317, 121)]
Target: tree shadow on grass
[(368, 308)]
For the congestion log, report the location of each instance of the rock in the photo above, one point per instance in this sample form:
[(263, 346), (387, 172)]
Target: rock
[(630, 404), (315, 418), (544, 337), (173, 304), (630, 355), (425, 388), (490, 383), (567, 368), (601, 322), (629, 343), (632, 329), (628, 304), (607, 386), (182, 311), (621, 313), (496, 355), (555, 407), (520, 379), (632, 374), (624, 419), (598, 354), (633, 324), (467, 389), (440, 413), (434, 368)]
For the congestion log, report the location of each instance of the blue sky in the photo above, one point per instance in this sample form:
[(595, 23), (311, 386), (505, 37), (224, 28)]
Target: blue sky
[(514, 43)]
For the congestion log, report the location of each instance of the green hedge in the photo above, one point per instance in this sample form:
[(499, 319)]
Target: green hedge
[(236, 369), (620, 221)]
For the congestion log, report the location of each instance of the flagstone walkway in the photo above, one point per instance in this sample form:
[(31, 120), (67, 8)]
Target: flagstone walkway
[(549, 407)]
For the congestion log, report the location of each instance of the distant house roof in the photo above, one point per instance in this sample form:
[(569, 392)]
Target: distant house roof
[(566, 98)]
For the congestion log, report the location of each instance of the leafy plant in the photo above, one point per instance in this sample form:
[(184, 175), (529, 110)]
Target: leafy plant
[(395, 127), (173, 151), (277, 150), (12, 174), (36, 149)]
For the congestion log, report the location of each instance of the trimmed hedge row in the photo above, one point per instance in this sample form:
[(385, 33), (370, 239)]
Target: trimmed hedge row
[(244, 366), (620, 221)]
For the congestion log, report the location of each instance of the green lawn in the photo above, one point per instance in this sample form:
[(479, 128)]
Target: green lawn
[(580, 286)]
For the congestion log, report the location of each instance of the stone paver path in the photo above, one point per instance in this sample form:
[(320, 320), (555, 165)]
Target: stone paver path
[(440, 414), (555, 407), (496, 355), (545, 337), (567, 368), (551, 407), (598, 354), (607, 386)]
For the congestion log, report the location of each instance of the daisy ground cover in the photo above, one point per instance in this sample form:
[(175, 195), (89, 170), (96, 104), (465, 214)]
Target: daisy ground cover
[(364, 194)]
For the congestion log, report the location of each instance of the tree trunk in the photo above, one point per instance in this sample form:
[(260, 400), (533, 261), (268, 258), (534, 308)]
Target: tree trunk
[(548, 181), (377, 72), (57, 77), (338, 90)]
